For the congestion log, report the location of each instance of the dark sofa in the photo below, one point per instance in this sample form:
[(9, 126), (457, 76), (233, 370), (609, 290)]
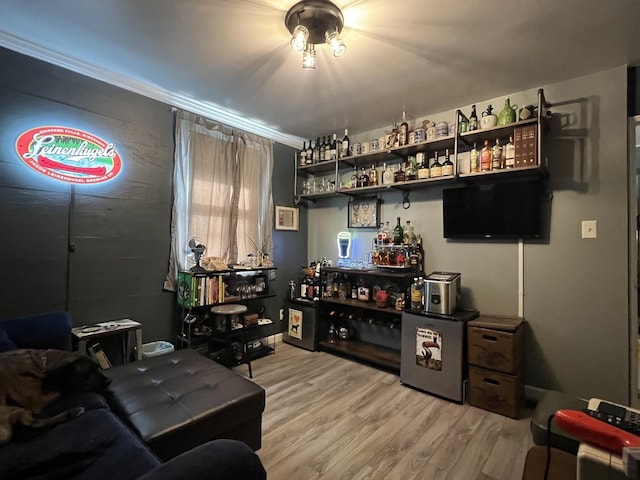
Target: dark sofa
[(98, 444)]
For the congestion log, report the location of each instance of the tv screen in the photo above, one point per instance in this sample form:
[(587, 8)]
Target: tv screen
[(502, 210)]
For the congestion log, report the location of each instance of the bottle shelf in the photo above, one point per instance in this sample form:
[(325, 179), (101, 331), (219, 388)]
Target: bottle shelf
[(373, 272), (501, 131), (383, 357), (396, 185), (506, 174), (458, 144), (349, 302), (326, 166)]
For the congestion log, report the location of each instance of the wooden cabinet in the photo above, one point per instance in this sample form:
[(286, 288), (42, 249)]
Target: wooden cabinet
[(459, 144), (495, 352), (363, 329)]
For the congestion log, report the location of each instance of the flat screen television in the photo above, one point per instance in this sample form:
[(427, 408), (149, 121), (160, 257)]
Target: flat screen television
[(510, 210)]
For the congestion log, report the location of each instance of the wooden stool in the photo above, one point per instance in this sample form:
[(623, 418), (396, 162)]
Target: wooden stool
[(229, 311)]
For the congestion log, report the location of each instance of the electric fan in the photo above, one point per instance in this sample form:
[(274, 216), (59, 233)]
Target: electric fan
[(198, 250)]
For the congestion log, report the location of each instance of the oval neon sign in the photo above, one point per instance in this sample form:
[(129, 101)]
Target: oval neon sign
[(69, 155)]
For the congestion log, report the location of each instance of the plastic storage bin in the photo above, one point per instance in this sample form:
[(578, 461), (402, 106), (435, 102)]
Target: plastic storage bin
[(155, 349)]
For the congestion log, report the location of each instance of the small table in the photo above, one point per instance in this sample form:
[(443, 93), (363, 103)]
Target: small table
[(91, 333)]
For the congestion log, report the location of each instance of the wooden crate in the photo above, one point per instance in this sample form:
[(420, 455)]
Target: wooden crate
[(495, 391), (496, 342)]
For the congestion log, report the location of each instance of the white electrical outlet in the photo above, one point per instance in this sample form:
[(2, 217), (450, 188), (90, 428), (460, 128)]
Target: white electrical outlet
[(282, 314), (589, 229)]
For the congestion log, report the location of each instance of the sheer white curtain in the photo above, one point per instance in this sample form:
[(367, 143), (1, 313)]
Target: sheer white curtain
[(222, 192)]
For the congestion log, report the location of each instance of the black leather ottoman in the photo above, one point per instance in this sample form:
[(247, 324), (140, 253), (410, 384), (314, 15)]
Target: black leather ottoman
[(177, 401), (550, 402)]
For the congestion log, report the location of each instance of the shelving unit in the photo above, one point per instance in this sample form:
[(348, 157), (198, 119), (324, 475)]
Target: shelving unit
[(457, 144), (198, 328), (375, 330)]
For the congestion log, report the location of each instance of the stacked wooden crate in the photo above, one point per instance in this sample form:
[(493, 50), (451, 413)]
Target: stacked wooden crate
[(495, 353)]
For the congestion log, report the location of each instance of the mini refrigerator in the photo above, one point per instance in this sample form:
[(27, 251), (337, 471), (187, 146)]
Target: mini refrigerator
[(433, 353), (301, 320)]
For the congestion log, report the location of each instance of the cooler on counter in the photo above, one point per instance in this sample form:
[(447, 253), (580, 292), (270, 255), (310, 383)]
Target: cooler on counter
[(300, 317), (433, 353)]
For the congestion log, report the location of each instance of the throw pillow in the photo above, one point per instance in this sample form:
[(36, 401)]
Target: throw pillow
[(6, 343)]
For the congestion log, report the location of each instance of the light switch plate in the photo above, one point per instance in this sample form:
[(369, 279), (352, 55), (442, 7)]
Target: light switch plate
[(589, 229)]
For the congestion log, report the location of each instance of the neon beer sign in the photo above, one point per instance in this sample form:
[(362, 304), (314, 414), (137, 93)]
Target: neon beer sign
[(69, 155)]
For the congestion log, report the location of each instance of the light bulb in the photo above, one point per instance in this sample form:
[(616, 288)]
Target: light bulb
[(336, 44), (299, 38), (309, 57)]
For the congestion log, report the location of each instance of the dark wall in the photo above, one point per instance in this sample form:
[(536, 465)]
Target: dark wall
[(120, 228), (289, 247), (633, 79)]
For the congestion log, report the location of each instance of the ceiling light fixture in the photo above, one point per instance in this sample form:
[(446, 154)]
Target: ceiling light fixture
[(312, 22)]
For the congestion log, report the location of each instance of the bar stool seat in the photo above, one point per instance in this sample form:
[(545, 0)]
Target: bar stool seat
[(230, 310)]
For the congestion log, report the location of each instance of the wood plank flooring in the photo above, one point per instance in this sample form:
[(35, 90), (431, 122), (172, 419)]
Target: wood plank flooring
[(329, 418)]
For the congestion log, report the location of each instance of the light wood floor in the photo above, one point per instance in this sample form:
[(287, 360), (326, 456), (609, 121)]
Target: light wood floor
[(330, 418)]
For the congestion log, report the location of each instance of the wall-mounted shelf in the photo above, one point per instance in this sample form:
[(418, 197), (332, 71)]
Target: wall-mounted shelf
[(458, 144)]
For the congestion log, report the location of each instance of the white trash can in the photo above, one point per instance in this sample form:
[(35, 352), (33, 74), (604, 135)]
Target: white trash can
[(155, 349)]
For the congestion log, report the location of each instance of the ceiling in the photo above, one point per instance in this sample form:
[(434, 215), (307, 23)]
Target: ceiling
[(231, 60)]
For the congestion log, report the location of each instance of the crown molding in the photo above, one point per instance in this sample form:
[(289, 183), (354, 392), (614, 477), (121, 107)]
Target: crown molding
[(206, 109)]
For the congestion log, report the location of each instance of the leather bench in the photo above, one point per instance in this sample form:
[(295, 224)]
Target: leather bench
[(177, 401)]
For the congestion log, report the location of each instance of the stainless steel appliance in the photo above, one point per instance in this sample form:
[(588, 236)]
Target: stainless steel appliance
[(433, 353), (300, 318), (441, 292)]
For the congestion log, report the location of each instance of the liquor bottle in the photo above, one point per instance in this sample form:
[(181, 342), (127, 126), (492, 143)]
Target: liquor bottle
[(334, 148), (333, 331), (387, 175), (416, 294), (344, 149), (510, 154), (354, 177), (380, 235), (436, 169), (309, 154), (316, 151), (411, 172), (474, 166), (497, 160), (409, 234), (398, 233), (403, 133), (373, 176), (447, 166), (473, 119), (395, 135), (485, 157), (364, 290), (322, 149), (303, 154), (327, 149), (363, 178), (423, 167), (386, 233), (398, 176), (463, 123)]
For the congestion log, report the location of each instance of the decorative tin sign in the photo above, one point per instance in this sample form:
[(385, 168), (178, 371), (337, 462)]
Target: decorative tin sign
[(69, 155)]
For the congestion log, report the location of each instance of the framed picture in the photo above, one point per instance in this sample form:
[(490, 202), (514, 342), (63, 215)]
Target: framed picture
[(364, 213), (286, 218)]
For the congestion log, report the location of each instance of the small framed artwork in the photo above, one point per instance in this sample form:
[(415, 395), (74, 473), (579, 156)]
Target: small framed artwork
[(286, 218), (364, 213)]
